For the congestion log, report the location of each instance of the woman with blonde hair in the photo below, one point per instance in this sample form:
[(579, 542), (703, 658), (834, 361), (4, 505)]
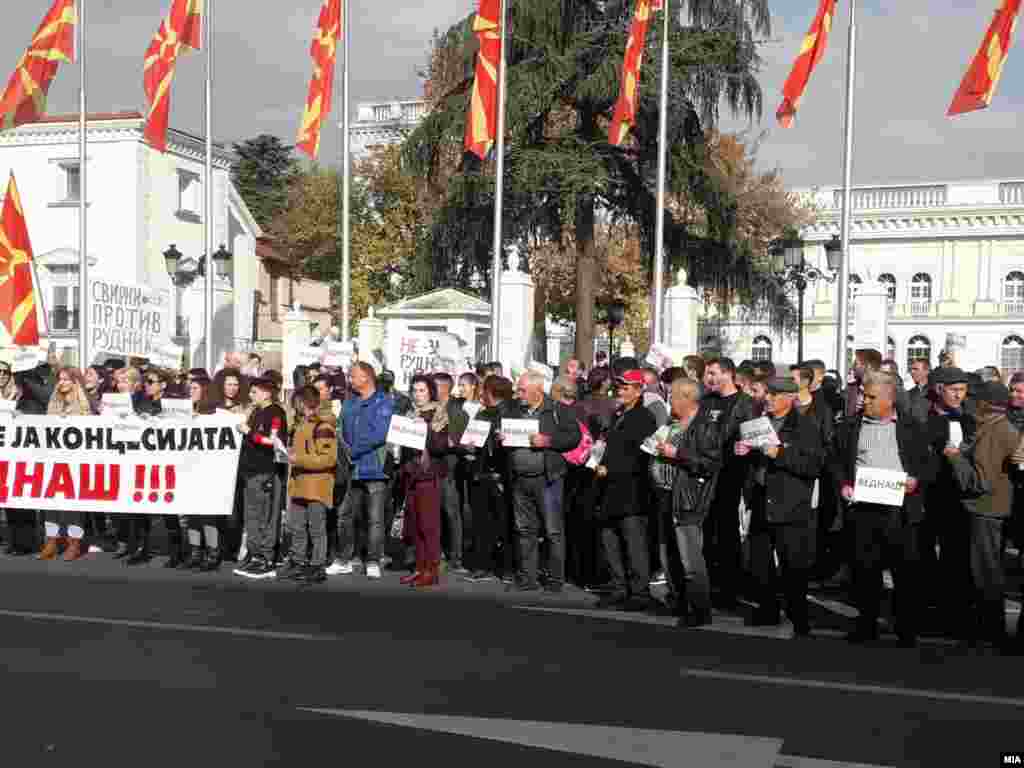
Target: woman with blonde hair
[(68, 399)]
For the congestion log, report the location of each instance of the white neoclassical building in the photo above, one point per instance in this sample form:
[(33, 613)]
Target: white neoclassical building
[(379, 123), (950, 255), (140, 202)]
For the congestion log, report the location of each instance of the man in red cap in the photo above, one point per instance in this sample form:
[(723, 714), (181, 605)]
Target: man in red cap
[(626, 498)]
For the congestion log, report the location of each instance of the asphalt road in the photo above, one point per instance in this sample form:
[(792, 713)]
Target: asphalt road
[(109, 666)]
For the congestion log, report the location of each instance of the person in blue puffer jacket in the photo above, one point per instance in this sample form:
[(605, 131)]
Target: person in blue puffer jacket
[(363, 425)]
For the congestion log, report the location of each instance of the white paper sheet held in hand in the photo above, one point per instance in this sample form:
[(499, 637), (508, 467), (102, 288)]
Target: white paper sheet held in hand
[(956, 434), (880, 486), (516, 432), (472, 409), (596, 454), (280, 451), (650, 444), (409, 433), (759, 433), (476, 433), (117, 404), (176, 408)]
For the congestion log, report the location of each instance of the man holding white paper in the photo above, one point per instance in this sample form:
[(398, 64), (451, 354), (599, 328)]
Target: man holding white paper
[(880, 463)]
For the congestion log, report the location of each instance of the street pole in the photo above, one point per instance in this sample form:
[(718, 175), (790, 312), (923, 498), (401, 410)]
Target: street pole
[(346, 170), (83, 176), (659, 227), (499, 193), (208, 187), (844, 268), (801, 286)]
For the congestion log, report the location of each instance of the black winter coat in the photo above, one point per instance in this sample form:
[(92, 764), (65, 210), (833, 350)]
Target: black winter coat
[(698, 462), (559, 422), (626, 484), (915, 456), (789, 479)]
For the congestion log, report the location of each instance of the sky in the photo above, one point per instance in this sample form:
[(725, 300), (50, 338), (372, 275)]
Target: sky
[(911, 55)]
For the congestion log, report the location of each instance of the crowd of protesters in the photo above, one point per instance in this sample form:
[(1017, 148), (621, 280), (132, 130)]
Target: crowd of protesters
[(633, 475)]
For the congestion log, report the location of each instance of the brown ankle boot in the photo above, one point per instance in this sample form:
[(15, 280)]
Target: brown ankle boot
[(411, 578), (430, 576), (73, 550), (50, 548)]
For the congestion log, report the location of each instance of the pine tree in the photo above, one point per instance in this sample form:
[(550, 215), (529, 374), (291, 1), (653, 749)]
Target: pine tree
[(263, 170), (562, 175)]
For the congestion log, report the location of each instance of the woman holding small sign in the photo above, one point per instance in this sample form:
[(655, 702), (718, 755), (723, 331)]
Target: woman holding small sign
[(422, 475), (68, 399)]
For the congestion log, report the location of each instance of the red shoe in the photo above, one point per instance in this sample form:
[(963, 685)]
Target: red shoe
[(50, 549), (408, 580), (73, 551), (430, 577)]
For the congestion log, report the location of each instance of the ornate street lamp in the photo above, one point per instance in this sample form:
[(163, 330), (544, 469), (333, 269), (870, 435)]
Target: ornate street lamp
[(790, 268), (615, 315)]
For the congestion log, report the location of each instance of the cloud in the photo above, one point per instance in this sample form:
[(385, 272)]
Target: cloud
[(911, 56)]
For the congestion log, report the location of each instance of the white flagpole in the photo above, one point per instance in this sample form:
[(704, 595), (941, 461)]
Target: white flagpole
[(844, 271), (499, 193), (208, 184), (346, 183), (83, 174), (659, 227)]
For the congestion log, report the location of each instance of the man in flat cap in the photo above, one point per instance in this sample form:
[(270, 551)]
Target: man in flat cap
[(981, 473), (782, 521)]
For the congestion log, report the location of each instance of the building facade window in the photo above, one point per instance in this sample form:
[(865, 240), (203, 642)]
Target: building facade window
[(921, 294), (1013, 293), (190, 196), (918, 347), (889, 281), (69, 181), (64, 309), (1011, 356), (761, 349)]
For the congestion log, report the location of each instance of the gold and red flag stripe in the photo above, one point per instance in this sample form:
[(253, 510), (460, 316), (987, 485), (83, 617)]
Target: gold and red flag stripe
[(24, 99), (182, 29), (811, 52), (979, 84), (624, 117), (324, 52), (17, 293), (482, 120)]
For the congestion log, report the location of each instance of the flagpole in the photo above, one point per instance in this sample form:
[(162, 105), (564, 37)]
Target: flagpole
[(208, 185), (844, 269), (659, 226), (499, 193), (83, 174), (346, 182)]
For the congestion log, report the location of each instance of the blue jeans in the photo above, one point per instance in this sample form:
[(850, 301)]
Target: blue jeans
[(538, 503), (369, 498)]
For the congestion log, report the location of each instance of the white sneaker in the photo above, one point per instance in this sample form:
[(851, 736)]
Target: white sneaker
[(372, 571), (338, 568)]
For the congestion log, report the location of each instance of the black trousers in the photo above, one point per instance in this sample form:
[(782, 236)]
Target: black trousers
[(585, 565), (794, 545), (722, 550), (881, 539), (490, 526), (21, 530), (625, 549)]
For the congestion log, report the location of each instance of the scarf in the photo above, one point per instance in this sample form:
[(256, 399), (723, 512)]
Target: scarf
[(440, 418)]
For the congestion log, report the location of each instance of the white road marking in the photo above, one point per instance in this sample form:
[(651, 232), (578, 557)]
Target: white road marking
[(261, 634), (832, 685), (665, 749), (794, 761)]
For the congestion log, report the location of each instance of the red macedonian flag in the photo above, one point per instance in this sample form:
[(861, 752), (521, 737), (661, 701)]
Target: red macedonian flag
[(811, 52), (624, 117), (979, 84), (482, 120), (24, 99), (181, 29), (324, 52), (17, 295)]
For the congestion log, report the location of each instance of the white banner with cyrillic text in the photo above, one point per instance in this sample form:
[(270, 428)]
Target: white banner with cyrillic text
[(109, 465)]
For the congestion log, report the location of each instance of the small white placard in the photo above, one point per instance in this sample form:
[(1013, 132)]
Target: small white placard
[(476, 433), (280, 451), (338, 354), (176, 408), (596, 454), (117, 404), (650, 445), (8, 408), (472, 409), (516, 432), (309, 355), (956, 434), (25, 359), (759, 433), (880, 486), (410, 433)]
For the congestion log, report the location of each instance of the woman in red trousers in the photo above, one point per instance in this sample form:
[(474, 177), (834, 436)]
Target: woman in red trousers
[(422, 475)]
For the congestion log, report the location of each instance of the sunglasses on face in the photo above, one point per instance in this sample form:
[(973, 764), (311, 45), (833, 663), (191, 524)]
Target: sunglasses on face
[(152, 381)]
